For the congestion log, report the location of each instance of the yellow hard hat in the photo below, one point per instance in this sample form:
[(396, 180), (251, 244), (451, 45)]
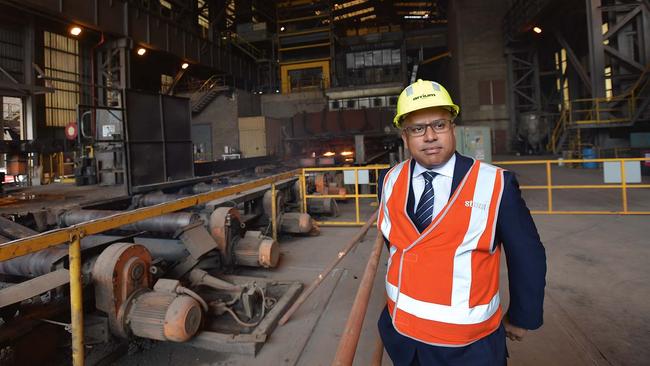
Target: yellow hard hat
[(423, 94)]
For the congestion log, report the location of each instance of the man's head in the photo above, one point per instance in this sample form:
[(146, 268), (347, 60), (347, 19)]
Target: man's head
[(429, 135), (425, 113)]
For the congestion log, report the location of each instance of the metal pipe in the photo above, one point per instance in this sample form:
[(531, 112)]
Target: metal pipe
[(379, 352), (76, 301), (350, 338), (167, 223), (326, 271)]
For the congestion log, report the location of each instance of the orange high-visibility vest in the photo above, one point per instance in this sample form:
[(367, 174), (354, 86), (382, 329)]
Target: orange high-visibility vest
[(442, 285)]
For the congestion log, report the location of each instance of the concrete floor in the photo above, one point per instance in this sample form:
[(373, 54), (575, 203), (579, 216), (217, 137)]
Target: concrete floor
[(596, 309)]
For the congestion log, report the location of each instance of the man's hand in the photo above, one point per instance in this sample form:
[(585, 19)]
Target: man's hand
[(512, 331)]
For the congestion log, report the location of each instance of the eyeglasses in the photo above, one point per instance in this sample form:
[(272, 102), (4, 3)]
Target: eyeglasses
[(438, 126)]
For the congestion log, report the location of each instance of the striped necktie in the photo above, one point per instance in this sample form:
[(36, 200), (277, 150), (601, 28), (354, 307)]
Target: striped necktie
[(424, 210)]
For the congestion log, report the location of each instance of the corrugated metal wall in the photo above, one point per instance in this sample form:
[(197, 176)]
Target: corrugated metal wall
[(11, 53), (61, 56)]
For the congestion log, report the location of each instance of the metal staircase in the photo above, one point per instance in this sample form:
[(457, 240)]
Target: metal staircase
[(207, 92), (246, 47)]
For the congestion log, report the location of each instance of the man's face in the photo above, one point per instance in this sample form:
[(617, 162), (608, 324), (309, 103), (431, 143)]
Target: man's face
[(432, 148)]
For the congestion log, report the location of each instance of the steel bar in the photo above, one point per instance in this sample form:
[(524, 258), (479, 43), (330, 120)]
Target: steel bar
[(379, 352), (326, 271), (76, 301), (167, 223), (350, 338), (34, 287)]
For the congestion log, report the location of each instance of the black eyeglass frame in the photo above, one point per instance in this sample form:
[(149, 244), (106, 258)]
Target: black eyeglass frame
[(448, 124)]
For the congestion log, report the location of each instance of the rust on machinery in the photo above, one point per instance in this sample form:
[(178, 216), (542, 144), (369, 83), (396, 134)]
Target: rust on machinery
[(121, 270), (279, 203), (321, 182), (256, 250), (221, 220), (164, 316), (297, 223)]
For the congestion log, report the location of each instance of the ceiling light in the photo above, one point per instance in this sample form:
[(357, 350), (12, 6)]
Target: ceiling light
[(537, 29), (282, 29), (141, 51), (346, 153), (185, 65), (75, 31), (329, 153)]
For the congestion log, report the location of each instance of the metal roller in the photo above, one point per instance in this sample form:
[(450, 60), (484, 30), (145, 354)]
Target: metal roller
[(153, 199), (167, 223), (204, 187)]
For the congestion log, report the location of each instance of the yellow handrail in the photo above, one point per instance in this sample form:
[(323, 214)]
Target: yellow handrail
[(356, 195), (549, 187), (601, 104)]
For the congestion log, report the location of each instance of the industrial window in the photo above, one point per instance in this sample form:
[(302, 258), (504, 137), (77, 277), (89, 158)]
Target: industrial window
[(11, 53), (166, 82), (491, 92), (562, 82), (359, 60), (61, 56), (203, 17)]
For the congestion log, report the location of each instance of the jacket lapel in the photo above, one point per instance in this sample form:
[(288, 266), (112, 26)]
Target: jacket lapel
[(462, 166)]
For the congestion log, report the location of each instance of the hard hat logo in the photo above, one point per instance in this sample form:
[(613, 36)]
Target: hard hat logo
[(420, 95), (423, 96)]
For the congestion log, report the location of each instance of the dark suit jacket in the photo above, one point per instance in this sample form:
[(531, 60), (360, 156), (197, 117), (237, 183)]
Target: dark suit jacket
[(525, 257)]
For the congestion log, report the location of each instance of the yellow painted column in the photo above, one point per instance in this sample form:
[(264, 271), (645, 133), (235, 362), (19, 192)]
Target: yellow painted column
[(356, 194), (624, 186), (76, 300), (549, 188), (303, 187)]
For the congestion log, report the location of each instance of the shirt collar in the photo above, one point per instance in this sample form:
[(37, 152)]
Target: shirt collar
[(446, 169)]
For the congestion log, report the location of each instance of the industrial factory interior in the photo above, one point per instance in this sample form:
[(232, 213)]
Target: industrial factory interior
[(235, 182)]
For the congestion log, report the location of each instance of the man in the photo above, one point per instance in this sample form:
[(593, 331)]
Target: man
[(445, 217)]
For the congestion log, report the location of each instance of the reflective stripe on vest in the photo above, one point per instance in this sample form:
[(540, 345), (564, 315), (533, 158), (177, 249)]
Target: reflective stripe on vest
[(449, 273)]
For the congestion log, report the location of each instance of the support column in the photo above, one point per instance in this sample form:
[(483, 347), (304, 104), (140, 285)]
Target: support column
[(596, 49), (359, 149), (28, 129)]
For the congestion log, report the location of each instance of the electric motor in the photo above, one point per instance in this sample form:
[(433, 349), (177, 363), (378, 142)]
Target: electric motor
[(164, 316)]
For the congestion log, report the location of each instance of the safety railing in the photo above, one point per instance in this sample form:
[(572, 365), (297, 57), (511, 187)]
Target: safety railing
[(202, 87), (365, 170), (601, 110), (549, 187), (75, 233), (55, 169), (620, 109)]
